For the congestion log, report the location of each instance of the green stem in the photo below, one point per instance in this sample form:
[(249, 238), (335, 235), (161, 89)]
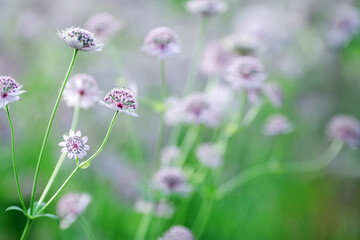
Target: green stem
[(202, 217), (87, 229), (144, 226), (26, 229), (190, 139), (14, 160), (60, 161), (48, 130)]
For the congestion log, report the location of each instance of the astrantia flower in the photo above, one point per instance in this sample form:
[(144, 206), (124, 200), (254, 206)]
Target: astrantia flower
[(162, 42), (209, 155), (274, 93), (178, 233), (168, 155), (215, 59), (103, 25), (207, 8), (171, 180), (162, 209), (81, 90), (122, 100), (9, 91), (246, 73), (242, 43), (70, 206), (75, 145), (346, 128), (277, 124), (79, 39)]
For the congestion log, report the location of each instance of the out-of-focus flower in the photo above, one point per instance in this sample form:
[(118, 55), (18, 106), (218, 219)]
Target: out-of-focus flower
[(103, 25), (215, 59), (171, 180), (9, 91), (168, 155), (81, 90), (274, 93), (345, 24), (162, 42), (74, 145), (122, 100), (162, 209), (277, 124), (246, 73), (70, 206), (242, 44), (177, 233), (346, 128), (207, 8), (209, 155), (79, 39)]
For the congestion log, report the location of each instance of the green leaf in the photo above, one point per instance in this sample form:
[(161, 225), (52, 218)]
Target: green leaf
[(15, 208), (52, 216)]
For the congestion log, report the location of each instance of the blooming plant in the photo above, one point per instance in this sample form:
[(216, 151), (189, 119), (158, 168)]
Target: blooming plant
[(196, 130)]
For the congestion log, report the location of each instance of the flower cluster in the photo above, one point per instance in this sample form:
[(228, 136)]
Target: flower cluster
[(277, 124), (209, 155), (9, 91), (103, 25), (75, 145), (122, 100), (171, 180), (161, 209), (207, 8), (178, 232), (80, 39), (346, 128)]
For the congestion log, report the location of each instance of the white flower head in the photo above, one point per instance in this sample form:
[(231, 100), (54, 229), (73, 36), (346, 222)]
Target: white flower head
[(79, 39), (215, 59), (75, 145), (82, 90), (178, 233), (171, 180), (209, 155), (346, 128), (246, 73), (9, 91), (103, 25), (277, 124), (168, 155), (162, 42), (161, 209), (70, 206), (122, 100), (206, 8)]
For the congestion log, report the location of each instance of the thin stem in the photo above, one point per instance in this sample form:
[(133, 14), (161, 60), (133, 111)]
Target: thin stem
[(14, 160), (87, 229), (144, 226), (202, 217), (60, 161), (190, 139), (48, 130), (26, 229)]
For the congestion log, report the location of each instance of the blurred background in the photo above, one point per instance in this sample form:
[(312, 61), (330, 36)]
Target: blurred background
[(302, 49)]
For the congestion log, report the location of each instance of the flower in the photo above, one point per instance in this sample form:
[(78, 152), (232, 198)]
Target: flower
[(70, 206), (103, 25), (346, 128), (162, 42), (178, 232), (79, 39), (206, 8), (75, 145), (171, 180), (277, 124), (9, 91), (122, 100), (215, 59), (161, 209), (246, 73), (168, 155), (274, 93), (81, 90), (209, 155), (242, 44)]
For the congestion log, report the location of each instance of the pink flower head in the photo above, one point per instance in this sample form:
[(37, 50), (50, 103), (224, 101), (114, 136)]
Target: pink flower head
[(169, 154), (79, 39), (161, 209), (178, 233), (277, 124), (103, 25), (9, 91), (122, 100), (209, 155), (171, 180), (215, 59), (207, 8), (75, 145), (162, 42), (346, 128), (81, 90)]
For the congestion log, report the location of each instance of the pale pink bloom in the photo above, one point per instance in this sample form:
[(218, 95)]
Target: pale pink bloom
[(82, 90), (246, 73), (162, 209), (209, 155), (79, 39), (242, 44), (9, 91), (122, 100), (215, 59), (162, 42), (171, 180), (346, 128), (207, 8), (168, 155), (103, 25), (70, 206), (74, 145), (274, 93), (178, 233), (277, 124)]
